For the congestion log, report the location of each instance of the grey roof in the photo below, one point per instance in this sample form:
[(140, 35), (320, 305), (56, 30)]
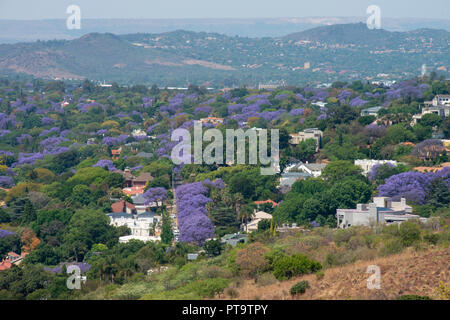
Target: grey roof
[(144, 154), (146, 214), (138, 199), (315, 166), (289, 178), (373, 109), (192, 256), (120, 214)]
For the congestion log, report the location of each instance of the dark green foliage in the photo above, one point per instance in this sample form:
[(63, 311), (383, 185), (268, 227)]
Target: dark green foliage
[(299, 287), (213, 247), (290, 266)]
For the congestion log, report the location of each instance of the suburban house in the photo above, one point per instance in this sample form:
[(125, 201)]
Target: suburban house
[(253, 225), (311, 133), (116, 153), (299, 171), (123, 206), (289, 178), (373, 111), (144, 225), (440, 105), (367, 164), (259, 203), (133, 191), (314, 169), (11, 259), (139, 133), (212, 120), (381, 211), (132, 181)]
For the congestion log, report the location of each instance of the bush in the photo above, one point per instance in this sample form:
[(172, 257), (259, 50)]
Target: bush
[(409, 232), (299, 287), (297, 264), (265, 279), (391, 247), (432, 238), (320, 275), (251, 260)]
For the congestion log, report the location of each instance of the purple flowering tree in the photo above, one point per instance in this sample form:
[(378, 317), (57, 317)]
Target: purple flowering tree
[(194, 224), (155, 195)]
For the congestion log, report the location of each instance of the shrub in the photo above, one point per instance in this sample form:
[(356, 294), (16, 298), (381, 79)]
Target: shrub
[(297, 264), (343, 235), (320, 275), (432, 238), (392, 246), (409, 232), (299, 287), (251, 260), (265, 279)]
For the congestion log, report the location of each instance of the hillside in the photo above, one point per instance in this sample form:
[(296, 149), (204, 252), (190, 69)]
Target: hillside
[(345, 51), (410, 272)]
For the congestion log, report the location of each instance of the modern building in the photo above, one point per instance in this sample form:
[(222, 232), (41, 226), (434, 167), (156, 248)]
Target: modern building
[(311, 133), (381, 211), (440, 105)]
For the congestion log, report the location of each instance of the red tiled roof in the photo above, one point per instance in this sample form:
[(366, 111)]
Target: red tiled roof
[(132, 191), (267, 201), (5, 264), (119, 206)]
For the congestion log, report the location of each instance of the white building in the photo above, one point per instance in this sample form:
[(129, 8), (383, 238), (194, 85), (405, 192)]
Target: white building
[(253, 225), (311, 133), (138, 133), (141, 224), (440, 105), (125, 239), (368, 164), (381, 211)]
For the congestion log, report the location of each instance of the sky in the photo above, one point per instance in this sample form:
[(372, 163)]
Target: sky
[(179, 9)]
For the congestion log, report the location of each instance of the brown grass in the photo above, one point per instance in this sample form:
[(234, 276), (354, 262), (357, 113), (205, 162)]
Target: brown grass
[(409, 272)]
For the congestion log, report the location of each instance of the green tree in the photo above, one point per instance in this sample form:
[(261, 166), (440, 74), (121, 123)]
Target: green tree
[(166, 229)]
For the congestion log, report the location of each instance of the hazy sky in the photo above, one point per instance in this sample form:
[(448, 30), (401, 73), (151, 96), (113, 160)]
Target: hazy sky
[(51, 9)]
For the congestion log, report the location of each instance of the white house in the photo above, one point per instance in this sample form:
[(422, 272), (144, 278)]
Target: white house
[(141, 224), (311, 133), (253, 225), (381, 211)]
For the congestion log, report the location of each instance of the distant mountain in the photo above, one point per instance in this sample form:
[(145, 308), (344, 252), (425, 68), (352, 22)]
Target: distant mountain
[(13, 31), (344, 51)]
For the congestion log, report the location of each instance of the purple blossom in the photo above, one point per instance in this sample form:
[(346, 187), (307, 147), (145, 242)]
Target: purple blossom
[(47, 121), (6, 182), (194, 224), (155, 195), (105, 164), (357, 102), (5, 233), (24, 137), (412, 185), (297, 112)]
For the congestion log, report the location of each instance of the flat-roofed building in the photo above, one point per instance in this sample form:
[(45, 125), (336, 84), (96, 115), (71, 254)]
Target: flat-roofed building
[(381, 211)]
